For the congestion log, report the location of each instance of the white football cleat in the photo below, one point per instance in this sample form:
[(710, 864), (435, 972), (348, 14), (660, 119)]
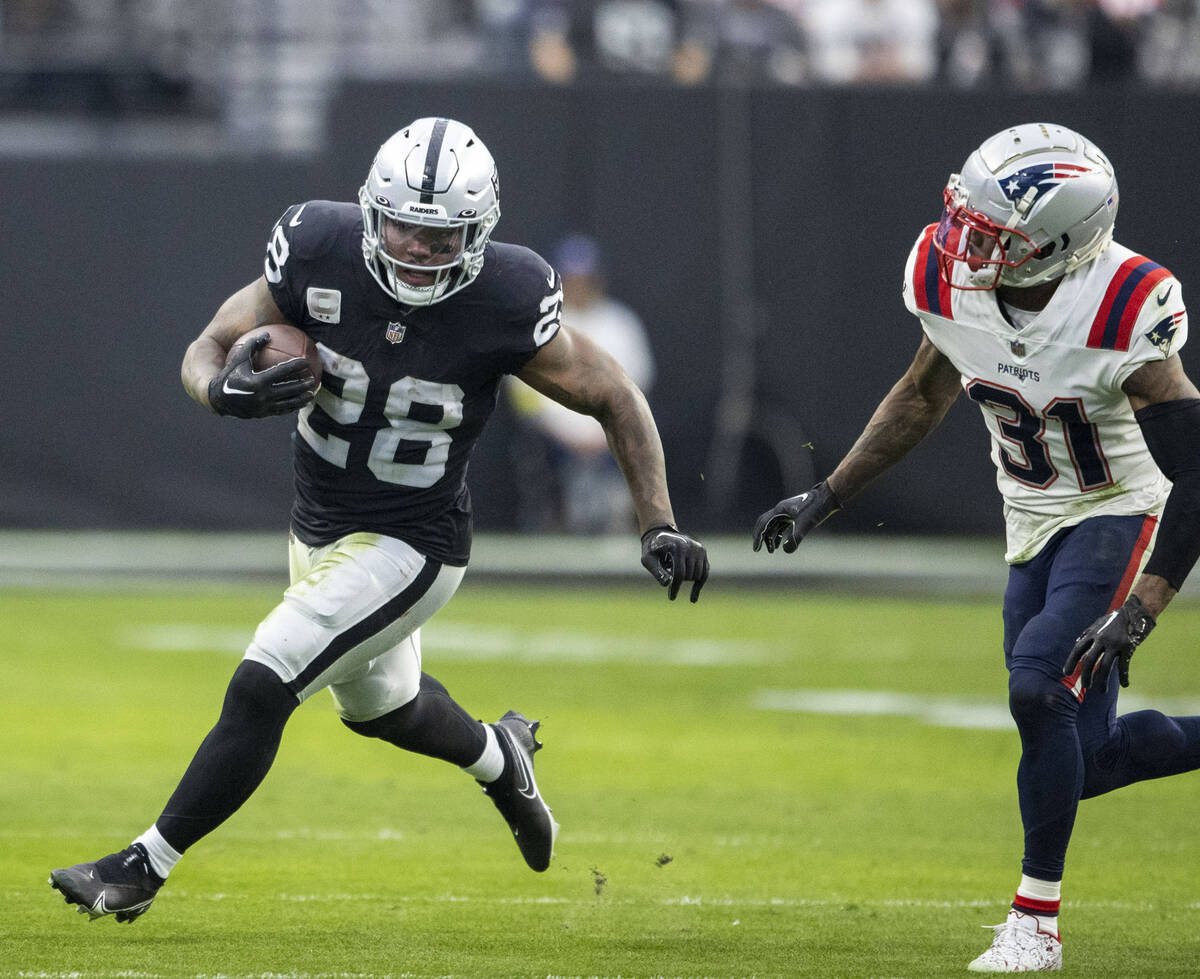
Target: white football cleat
[(1019, 945)]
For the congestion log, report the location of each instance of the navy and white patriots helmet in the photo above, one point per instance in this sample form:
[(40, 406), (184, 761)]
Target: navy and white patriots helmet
[(435, 182), (1031, 204)]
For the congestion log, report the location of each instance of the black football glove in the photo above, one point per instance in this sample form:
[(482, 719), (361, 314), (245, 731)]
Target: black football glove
[(1112, 637), (789, 520), (241, 391), (673, 558)]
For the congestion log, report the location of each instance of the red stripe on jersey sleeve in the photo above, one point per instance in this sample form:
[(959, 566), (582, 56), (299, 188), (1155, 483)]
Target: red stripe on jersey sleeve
[(1112, 328), (1130, 314), (930, 291), (918, 273)]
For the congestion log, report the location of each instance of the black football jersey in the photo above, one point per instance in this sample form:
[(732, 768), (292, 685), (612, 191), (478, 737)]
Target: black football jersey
[(405, 391)]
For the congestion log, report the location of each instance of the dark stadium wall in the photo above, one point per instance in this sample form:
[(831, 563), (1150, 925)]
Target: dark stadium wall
[(761, 235)]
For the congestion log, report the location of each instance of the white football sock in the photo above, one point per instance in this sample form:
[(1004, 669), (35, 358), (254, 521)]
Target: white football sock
[(163, 856), (1038, 895), (490, 765)]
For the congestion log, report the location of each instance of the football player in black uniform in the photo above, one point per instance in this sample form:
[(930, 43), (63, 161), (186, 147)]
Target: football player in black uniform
[(417, 316)]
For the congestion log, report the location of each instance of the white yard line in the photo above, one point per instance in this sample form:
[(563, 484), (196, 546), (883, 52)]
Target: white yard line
[(957, 712), (457, 642)]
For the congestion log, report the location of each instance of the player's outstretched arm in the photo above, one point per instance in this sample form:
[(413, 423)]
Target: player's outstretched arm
[(235, 388), (910, 411), (576, 372)]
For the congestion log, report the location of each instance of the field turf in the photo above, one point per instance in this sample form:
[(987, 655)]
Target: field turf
[(769, 783)]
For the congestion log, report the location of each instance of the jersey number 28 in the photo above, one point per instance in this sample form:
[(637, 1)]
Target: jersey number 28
[(347, 407)]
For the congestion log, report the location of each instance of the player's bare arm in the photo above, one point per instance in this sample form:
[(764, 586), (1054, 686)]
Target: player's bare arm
[(909, 412), (913, 408), (1159, 381), (576, 372), (234, 387), (247, 309)]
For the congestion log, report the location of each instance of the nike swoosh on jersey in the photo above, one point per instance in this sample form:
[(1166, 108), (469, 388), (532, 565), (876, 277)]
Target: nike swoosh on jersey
[(1162, 300), (550, 278), (296, 217)]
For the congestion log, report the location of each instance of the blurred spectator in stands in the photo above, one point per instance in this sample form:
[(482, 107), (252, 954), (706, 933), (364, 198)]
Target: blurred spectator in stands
[(1116, 31), (577, 39), (1169, 52), (1063, 45), (567, 478), (1051, 48), (97, 57), (968, 55), (872, 41), (503, 28), (758, 41)]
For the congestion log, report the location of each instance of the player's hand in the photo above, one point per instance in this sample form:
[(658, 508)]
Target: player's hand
[(673, 558), (241, 391), (789, 520), (1111, 638)]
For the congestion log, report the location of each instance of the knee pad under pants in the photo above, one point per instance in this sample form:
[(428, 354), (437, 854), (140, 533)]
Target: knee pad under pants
[(351, 621)]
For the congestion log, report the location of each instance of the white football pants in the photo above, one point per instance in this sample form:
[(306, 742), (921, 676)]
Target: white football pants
[(351, 621)]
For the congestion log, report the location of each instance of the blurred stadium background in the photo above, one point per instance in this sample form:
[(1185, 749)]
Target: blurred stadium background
[(755, 172)]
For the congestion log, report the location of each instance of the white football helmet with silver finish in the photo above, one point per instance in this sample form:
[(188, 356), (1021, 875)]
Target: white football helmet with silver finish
[(1031, 204), (433, 174)]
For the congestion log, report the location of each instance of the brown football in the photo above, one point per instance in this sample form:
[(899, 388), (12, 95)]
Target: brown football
[(286, 343)]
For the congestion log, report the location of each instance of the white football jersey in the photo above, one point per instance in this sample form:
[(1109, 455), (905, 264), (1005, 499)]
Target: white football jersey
[(1064, 440)]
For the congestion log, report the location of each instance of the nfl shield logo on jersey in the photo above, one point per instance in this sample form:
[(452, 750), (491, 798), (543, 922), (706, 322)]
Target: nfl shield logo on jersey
[(1017, 347), (395, 332)]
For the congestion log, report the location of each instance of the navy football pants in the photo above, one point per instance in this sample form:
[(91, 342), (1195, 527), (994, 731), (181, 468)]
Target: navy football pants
[(1073, 748)]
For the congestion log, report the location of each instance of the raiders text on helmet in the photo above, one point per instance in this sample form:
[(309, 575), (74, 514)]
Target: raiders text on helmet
[(433, 179), (1031, 204)]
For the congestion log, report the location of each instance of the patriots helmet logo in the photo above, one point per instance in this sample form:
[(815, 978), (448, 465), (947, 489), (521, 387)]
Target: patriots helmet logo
[(1041, 176)]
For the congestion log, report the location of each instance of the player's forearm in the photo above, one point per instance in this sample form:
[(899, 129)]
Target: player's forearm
[(634, 440), (900, 422), (1154, 592), (203, 359), (249, 307)]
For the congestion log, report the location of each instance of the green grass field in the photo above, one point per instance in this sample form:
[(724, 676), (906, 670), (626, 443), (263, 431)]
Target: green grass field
[(719, 818)]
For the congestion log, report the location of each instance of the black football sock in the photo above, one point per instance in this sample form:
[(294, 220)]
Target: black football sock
[(233, 759), (432, 724)]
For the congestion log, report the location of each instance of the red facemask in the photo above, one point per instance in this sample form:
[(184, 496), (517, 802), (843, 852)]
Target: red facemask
[(972, 237)]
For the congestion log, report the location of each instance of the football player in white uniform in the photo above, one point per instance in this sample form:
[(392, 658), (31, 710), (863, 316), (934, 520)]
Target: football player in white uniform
[(418, 316), (1068, 342)]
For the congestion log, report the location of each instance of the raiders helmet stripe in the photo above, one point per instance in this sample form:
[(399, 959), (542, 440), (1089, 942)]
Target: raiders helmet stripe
[(432, 155)]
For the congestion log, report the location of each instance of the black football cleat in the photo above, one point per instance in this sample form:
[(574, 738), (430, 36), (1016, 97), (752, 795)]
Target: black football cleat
[(121, 883), (516, 794)]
